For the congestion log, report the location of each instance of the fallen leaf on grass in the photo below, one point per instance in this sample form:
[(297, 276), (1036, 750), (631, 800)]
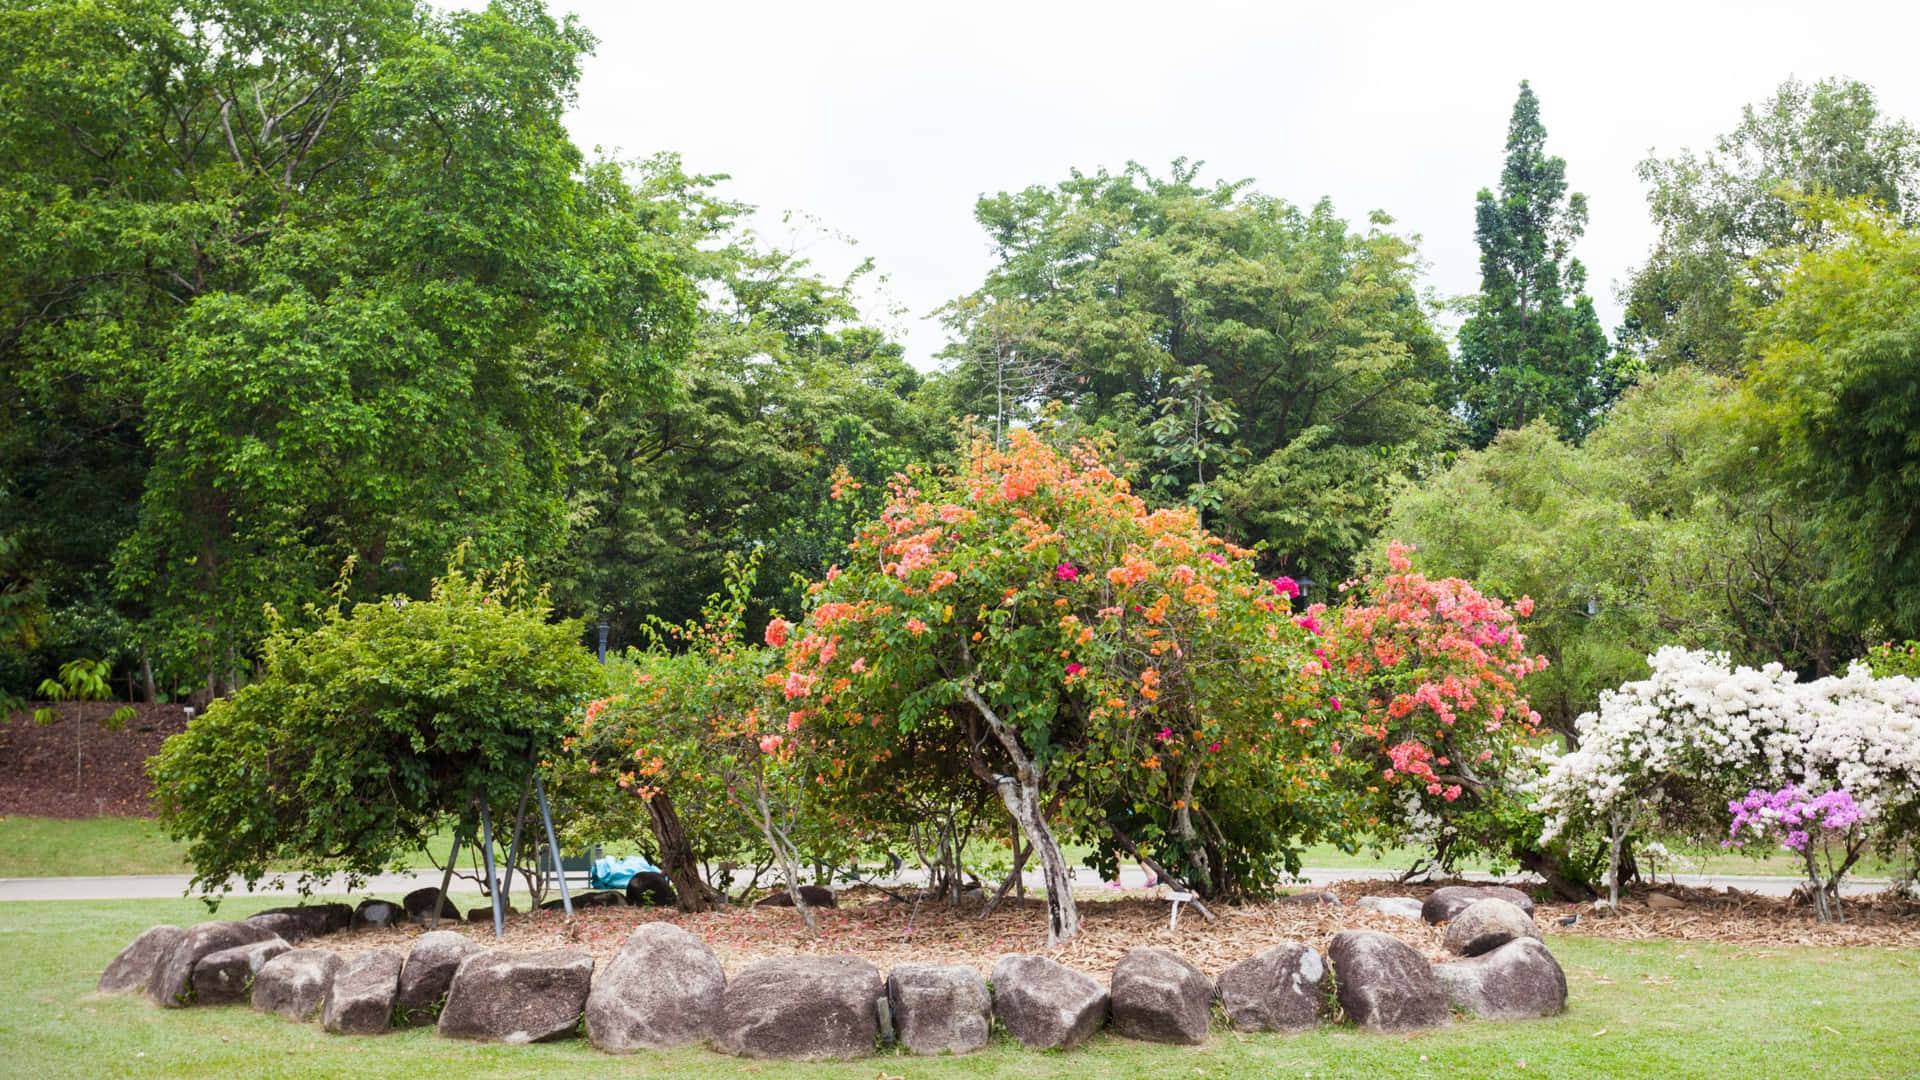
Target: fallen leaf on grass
[(1597, 1034)]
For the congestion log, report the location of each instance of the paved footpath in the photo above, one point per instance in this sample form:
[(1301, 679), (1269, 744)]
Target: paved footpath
[(391, 886)]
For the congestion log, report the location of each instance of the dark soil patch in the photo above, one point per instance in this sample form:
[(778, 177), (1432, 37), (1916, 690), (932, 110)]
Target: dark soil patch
[(37, 763)]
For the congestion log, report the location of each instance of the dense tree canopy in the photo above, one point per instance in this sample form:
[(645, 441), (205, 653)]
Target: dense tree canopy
[(292, 283), (1720, 211), (1834, 402), (782, 386), (1249, 354), (1655, 531)]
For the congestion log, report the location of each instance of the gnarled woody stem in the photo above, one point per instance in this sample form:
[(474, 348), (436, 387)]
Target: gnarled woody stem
[(1021, 793)]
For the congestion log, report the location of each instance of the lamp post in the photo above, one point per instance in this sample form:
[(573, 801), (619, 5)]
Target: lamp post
[(603, 641)]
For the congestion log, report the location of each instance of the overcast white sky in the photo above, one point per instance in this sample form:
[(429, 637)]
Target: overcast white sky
[(887, 120)]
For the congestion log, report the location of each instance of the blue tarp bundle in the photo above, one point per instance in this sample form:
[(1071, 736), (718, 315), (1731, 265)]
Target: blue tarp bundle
[(614, 873)]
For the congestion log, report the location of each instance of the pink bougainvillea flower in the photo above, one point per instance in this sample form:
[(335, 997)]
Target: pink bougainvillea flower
[(1074, 669), (777, 631), (915, 626), (1335, 702), (770, 744), (1308, 623), (1285, 586), (1165, 734), (1214, 748), (1066, 571), (1215, 557)]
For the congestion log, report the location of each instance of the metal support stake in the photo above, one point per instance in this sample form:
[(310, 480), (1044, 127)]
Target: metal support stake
[(446, 879), (493, 881), (553, 846), (513, 848)]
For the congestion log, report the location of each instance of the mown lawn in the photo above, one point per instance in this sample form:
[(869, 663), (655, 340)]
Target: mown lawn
[(52, 847), (107, 846), (1656, 1009)]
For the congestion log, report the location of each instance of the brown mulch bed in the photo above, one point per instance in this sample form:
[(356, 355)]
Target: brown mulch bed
[(36, 762), (886, 932)]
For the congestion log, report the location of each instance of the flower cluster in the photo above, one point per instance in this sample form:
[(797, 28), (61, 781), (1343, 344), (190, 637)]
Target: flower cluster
[(1699, 727), (1433, 669), (1792, 811)]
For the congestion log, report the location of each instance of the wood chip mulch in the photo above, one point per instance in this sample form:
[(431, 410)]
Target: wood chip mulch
[(37, 775), (886, 932)]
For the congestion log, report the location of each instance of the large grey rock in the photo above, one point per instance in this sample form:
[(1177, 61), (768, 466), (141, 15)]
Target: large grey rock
[(1045, 1005), (1517, 981), (226, 977), (596, 898), (1383, 984), (130, 971), (939, 1009), (1405, 907), (1284, 988), (284, 926), (419, 905), (304, 921), (1158, 997), (295, 983), (818, 896), (661, 990), (510, 997), (375, 914), (360, 1000), (171, 985), (801, 1008), (1485, 925), (650, 888), (1449, 900), (427, 974)]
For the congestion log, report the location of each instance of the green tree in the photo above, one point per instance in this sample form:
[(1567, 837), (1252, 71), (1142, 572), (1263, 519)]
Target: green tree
[(292, 283), (1532, 347), (782, 388), (1202, 324), (1728, 218), (1833, 403), (364, 736), (1656, 530)]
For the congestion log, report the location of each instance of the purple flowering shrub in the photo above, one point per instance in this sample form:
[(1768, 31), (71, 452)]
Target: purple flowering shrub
[(1824, 829)]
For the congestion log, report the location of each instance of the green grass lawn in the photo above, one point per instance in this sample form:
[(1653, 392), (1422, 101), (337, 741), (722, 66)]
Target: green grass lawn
[(93, 847), (1657, 1010), (51, 847)]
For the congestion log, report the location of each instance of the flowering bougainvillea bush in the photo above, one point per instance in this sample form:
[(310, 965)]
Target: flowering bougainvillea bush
[(1433, 669), (701, 733), (1112, 672), (1675, 750)]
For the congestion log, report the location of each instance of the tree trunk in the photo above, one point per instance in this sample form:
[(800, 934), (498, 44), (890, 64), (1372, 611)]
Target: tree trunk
[(1566, 888), (677, 860), (783, 848), (1616, 839), (1022, 799), (1021, 793)]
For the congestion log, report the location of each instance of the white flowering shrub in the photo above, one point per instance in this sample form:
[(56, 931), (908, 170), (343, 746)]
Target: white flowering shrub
[(1671, 752)]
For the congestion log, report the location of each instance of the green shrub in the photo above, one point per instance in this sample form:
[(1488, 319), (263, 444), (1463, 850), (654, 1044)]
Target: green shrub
[(369, 732)]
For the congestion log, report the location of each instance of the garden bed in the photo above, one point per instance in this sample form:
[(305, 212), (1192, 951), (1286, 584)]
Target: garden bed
[(36, 761), (885, 931)]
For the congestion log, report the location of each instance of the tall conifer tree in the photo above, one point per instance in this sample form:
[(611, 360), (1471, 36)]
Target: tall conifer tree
[(1533, 348)]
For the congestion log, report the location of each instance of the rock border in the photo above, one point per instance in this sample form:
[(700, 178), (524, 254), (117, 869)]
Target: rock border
[(1303, 996)]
